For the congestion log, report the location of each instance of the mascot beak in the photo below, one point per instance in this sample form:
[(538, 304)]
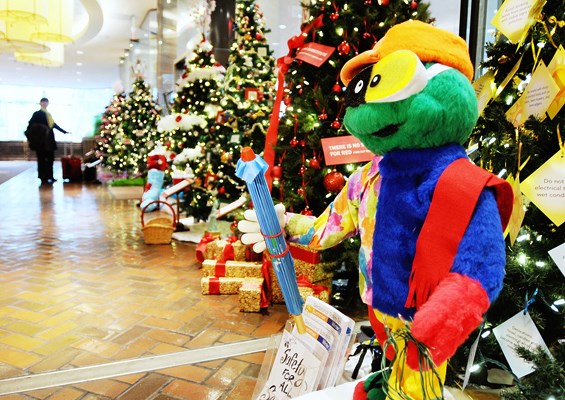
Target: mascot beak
[(395, 77)]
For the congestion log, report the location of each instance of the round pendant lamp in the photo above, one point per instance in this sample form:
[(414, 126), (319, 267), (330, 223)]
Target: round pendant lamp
[(59, 22), (17, 37), (30, 11), (55, 57)]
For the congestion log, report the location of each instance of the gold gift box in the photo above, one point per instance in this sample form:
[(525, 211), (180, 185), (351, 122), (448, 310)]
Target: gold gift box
[(222, 285), (234, 269), (250, 295), (215, 250)]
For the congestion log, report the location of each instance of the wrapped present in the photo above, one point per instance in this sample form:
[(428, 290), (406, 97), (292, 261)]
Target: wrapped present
[(308, 263), (231, 268), (203, 244), (321, 290), (230, 249), (276, 293), (250, 295), (222, 285)]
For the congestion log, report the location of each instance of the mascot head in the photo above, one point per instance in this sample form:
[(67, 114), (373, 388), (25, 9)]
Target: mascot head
[(412, 90)]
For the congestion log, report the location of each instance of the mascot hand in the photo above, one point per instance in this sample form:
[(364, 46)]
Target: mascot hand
[(251, 231), (450, 315)]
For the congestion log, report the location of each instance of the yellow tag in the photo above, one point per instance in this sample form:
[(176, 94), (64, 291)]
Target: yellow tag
[(509, 77), (514, 18), (484, 89), (518, 211), (557, 70), (537, 97), (546, 188)]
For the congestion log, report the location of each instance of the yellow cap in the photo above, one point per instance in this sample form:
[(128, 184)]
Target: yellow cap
[(430, 43)]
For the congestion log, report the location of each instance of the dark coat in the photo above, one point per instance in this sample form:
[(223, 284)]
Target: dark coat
[(39, 135)]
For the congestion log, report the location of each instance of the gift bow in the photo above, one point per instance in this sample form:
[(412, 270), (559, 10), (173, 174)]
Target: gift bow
[(303, 281), (201, 248)]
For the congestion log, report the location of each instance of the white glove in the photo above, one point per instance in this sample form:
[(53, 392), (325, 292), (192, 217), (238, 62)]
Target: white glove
[(251, 231)]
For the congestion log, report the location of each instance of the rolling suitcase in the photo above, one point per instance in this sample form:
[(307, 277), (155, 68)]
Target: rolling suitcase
[(71, 166)]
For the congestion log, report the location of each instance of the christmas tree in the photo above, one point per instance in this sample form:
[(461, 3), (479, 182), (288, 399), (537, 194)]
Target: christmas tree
[(314, 100), (519, 136), (248, 95), (190, 128), (139, 126), (109, 130)]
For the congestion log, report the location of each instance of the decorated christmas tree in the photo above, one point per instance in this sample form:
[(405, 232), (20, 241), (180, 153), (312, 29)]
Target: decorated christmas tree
[(139, 126), (190, 128), (109, 130), (520, 136), (313, 103)]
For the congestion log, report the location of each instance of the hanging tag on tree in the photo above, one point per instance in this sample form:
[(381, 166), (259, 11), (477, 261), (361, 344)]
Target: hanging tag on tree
[(519, 331), (557, 70), (518, 212), (557, 254), (546, 188)]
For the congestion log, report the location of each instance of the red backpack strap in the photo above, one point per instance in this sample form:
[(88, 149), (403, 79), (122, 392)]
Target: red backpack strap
[(453, 202)]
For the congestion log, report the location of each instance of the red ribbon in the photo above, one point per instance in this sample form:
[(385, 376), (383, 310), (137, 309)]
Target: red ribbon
[(228, 253), (201, 247), (214, 285), (283, 63), (302, 254), (303, 281), (220, 268)]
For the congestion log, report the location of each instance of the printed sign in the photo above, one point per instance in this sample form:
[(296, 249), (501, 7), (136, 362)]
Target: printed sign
[(315, 53), (519, 331), (514, 17), (557, 254), (345, 150)]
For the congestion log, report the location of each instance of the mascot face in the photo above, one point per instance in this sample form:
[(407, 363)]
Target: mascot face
[(400, 103)]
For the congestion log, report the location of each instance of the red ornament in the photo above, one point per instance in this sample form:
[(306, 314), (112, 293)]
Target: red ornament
[(368, 2), (306, 211), (221, 190), (258, 36), (334, 181), (343, 48), (367, 36), (287, 101), (336, 88), (303, 143), (384, 3), (302, 170), (334, 16), (336, 124), (323, 116), (293, 142), (300, 191), (315, 163), (178, 118), (413, 5), (276, 172)]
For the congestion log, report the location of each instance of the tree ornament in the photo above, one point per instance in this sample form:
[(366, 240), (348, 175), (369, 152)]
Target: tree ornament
[(323, 116), (276, 172), (302, 170), (314, 163), (293, 142), (336, 124), (225, 157), (221, 190), (368, 2), (287, 101), (300, 191), (414, 5), (384, 3), (334, 16), (306, 211), (247, 36), (343, 48), (178, 118), (303, 143), (334, 181), (336, 88), (259, 36)]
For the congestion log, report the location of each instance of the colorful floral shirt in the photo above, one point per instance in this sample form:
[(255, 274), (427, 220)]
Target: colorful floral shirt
[(351, 213)]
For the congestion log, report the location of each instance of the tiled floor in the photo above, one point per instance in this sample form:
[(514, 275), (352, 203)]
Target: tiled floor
[(78, 287)]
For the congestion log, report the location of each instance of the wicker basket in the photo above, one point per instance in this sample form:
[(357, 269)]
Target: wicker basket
[(158, 230)]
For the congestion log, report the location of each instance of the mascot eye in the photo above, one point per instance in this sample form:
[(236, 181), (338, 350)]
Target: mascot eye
[(359, 87), (375, 81)]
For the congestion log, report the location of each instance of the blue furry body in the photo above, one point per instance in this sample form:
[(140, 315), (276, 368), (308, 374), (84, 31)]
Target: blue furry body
[(409, 178)]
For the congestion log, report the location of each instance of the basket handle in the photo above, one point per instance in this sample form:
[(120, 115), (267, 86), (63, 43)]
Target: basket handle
[(156, 202)]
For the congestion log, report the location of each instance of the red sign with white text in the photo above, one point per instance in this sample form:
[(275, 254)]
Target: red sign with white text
[(315, 53), (345, 150)]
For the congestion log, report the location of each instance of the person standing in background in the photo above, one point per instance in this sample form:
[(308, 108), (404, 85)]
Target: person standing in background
[(42, 124)]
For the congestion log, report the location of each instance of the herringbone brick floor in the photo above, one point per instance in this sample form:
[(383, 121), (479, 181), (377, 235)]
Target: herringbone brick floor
[(78, 287)]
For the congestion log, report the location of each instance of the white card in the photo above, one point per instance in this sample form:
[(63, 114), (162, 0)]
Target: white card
[(519, 330), (558, 256), (294, 371)]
